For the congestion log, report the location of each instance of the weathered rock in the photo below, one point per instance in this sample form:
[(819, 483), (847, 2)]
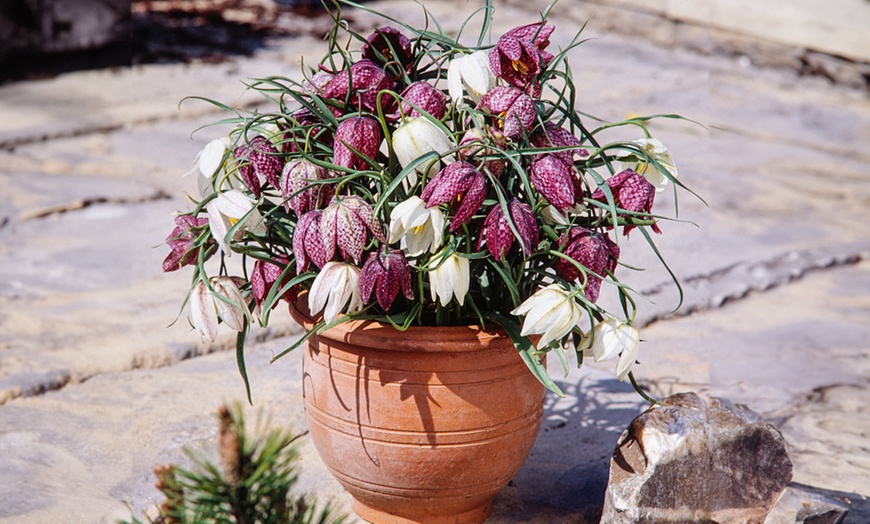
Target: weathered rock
[(801, 506), (691, 461)]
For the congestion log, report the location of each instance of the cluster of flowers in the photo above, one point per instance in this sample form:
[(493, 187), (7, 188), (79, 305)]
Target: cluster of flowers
[(386, 196)]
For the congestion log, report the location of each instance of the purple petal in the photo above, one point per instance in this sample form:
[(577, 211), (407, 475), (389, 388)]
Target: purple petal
[(361, 133), (525, 223), (553, 180)]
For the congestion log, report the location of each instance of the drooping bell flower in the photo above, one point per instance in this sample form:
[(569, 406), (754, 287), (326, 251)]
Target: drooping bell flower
[(335, 288), (181, 242), (308, 241), (362, 133), (388, 45), (265, 275), (555, 136), (519, 56), (258, 159), (345, 224), (297, 186), (470, 74), (474, 140), (551, 312), (497, 233), (595, 252), (426, 97), (419, 228), (206, 308), (515, 109), (555, 180), (612, 337), (363, 80), (227, 210), (460, 185), (631, 192), (449, 280), (211, 158), (386, 272), (417, 137)]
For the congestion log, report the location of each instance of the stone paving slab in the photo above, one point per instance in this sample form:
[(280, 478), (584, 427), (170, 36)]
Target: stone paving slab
[(776, 278), (836, 27)]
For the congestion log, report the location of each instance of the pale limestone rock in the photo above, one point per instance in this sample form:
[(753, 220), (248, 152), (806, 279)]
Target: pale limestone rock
[(691, 461)]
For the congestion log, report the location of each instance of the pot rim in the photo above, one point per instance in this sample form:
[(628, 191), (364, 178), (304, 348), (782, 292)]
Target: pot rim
[(370, 333)]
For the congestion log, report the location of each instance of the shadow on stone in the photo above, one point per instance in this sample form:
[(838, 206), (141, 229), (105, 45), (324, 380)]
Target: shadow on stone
[(565, 477)]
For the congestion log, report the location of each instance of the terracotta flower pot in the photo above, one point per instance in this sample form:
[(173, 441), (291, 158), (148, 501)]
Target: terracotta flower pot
[(420, 426)]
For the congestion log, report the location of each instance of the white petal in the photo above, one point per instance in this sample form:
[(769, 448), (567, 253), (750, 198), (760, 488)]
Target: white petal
[(203, 314), (233, 314), (462, 278), (434, 292), (476, 74), (211, 157), (629, 354), (234, 203), (454, 80), (436, 220), (559, 327), (417, 243), (321, 287), (445, 282), (218, 224), (538, 306)]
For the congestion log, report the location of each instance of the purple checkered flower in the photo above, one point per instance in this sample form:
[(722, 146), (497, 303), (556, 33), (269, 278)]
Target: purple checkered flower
[(344, 226), (426, 97), (258, 159), (385, 272), (519, 56), (296, 185), (308, 241), (631, 192), (595, 252), (363, 80), (181, 242), (556, 180), (362, 133), (475, 145), (265, 275), (555, 136), (515, 108), (388, 45), (459, 184), (497, 232)]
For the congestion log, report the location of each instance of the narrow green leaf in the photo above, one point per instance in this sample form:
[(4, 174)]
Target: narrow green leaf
[(240, 359)]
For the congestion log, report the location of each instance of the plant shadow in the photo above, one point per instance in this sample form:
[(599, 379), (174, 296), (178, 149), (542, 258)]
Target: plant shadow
[(565, 477)]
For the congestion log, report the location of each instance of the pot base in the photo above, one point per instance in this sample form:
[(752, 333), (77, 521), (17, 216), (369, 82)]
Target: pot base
[(376, 516)]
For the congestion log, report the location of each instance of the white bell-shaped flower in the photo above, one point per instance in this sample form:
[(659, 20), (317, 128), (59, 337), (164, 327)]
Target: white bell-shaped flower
[(611, 338), (470, 74), (417, 137), (226, 210), (451, 279), (551, 312), (335, 289), (420, 229)]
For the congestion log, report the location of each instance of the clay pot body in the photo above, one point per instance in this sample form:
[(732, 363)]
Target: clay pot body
[(420, 426)]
